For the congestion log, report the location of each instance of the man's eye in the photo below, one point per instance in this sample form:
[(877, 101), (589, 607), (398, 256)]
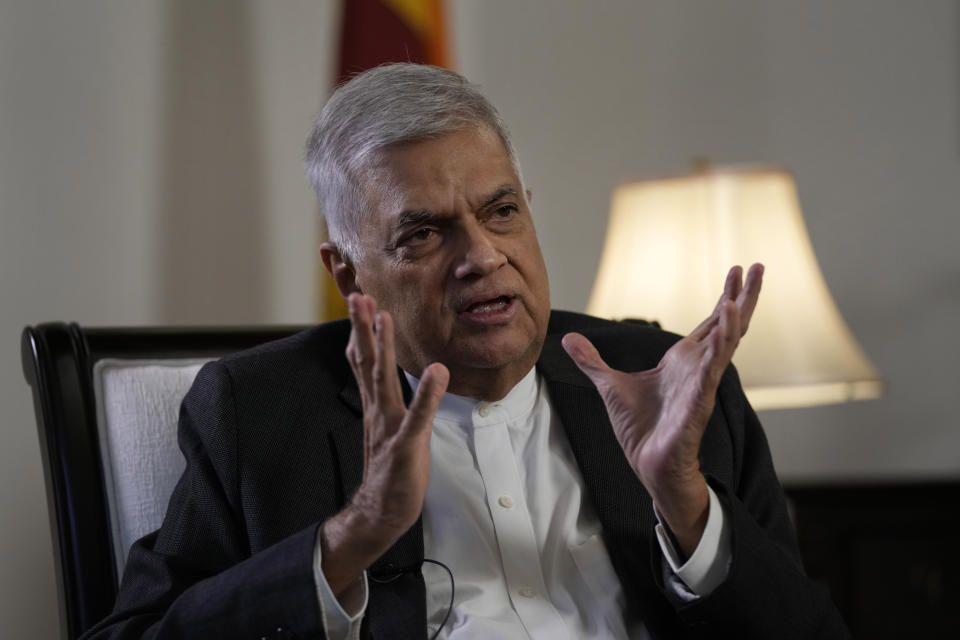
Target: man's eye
[(420, 235), (505, 212)]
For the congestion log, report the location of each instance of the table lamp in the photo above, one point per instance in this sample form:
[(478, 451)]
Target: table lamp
[(669, 245)]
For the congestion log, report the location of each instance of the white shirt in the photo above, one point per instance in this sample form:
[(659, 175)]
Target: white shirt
[(506, 511)]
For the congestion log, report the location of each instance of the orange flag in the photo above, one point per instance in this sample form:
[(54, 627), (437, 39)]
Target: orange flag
[(375, 32)]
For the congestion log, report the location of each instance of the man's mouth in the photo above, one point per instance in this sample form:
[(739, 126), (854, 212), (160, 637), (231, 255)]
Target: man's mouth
[(489, 306), (488, 311)]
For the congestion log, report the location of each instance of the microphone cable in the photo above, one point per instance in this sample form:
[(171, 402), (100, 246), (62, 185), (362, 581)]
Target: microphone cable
[(400, 572)]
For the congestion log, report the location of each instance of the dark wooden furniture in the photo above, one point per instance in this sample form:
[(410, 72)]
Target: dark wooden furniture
[(888, 552)]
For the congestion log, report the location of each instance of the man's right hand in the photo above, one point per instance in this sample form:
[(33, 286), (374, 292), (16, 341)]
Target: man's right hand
[(396, 444)]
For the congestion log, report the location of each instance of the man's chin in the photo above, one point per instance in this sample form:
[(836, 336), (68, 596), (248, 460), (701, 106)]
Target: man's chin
[(493, 353)]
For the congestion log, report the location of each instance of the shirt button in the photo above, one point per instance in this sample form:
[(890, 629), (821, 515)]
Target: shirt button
[(506, 502), (526, 592), (483, 410)]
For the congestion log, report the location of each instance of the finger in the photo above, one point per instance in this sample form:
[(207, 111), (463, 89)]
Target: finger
[(354, 307), (361, 350), (703, 329), (733, 283), (729, 330), (586, 357), (386, 384), (732, 287), (723, 341), (351, 349), (747, 300), (433, 384)]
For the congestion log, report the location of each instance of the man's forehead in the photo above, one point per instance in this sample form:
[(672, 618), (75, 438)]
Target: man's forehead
[(424, 174)]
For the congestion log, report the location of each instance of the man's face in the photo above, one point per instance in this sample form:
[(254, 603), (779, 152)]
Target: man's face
[(449, 249)]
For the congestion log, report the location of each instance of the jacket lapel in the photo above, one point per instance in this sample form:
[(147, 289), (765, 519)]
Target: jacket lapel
[(397, 604), (623, 505)]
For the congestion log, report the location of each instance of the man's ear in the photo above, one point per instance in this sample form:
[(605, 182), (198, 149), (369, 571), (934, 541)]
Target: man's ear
[(529, 197), (340, 269)]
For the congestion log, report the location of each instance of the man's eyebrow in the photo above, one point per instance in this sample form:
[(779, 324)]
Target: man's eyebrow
[(414, 217), (505, 190)]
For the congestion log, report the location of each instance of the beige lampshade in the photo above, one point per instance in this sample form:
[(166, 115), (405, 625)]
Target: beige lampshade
[(669, 245)]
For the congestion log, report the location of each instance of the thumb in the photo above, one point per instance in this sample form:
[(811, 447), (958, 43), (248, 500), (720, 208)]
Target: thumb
[(432, 386), (586, 357)]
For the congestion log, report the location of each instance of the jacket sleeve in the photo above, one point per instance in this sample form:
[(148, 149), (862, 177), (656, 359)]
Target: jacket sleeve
[(195, 577), (766, 593)]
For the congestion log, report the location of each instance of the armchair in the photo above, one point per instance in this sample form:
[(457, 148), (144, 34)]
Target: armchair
[(106, 402)]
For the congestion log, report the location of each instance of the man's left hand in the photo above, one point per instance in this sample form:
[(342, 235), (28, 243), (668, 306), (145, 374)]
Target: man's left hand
[(659, 416)]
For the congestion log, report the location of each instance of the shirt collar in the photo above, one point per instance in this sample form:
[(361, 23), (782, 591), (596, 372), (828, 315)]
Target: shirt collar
[(517, 404)]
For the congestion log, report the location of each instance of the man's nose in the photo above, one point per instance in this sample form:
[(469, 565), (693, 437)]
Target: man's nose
[(480, 253)]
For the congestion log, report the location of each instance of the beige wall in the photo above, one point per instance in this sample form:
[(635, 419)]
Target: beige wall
[(150, 172)]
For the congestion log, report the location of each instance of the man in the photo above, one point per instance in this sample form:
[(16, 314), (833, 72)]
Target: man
[(473, 428)]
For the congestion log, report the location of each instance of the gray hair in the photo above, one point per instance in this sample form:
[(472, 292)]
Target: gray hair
[(383, 106)]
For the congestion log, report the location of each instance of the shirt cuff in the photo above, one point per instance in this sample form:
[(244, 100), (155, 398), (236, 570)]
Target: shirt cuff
[(709, 564), (340, 621)]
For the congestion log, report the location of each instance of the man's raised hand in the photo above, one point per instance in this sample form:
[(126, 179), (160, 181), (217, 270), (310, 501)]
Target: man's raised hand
[(659, 415), (396, 449)]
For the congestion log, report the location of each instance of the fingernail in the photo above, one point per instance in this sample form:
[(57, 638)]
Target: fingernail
[(377, 322)]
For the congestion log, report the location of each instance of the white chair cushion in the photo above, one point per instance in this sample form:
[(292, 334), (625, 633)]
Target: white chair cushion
[(138, 403)]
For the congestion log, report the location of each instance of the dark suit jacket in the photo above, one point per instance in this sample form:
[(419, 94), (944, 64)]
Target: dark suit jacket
[(273, 441)]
